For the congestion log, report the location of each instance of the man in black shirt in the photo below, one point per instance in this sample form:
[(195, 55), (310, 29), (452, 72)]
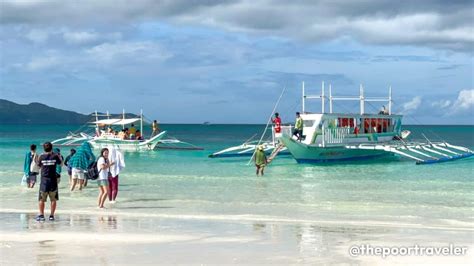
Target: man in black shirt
[(49, 182)]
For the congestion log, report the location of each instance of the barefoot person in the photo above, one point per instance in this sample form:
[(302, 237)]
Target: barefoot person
[(103, 166), (260, 160), (30, 167), (49, 182), (79, 163), (69, 168), (117, 158)]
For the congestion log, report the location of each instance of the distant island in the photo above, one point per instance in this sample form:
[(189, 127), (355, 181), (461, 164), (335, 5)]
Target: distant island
[(40, 114)]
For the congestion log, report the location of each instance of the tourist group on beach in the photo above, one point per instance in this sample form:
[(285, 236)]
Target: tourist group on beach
[(81, 165)]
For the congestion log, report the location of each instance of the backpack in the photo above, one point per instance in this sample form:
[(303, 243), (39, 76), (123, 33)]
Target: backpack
[(92, 173)]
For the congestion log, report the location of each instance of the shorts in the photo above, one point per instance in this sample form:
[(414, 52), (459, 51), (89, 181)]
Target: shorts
[(48, 188), (31, 178), (69, 171), (102, 182), (53, 195), (77, 173)]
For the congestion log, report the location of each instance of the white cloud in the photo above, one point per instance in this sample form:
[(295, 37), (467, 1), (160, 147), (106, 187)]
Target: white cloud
[(136, 51), (464, 102), (432, 23), (41, 63), (442, 104), (37, 36), (80, 37), (412, 105)]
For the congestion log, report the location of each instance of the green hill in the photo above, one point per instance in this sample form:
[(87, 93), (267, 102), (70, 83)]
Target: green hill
[(37, 113)]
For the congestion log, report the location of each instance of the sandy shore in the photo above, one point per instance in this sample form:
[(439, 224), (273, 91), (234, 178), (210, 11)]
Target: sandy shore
[(108, 237)]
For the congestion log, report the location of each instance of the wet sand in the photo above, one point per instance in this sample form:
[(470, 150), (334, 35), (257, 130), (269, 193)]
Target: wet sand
[(109, 237)]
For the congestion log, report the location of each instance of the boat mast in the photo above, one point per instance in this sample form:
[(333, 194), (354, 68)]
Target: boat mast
[(390, 100), (330, 99), (123, 117), (322, 98), (303, 98), (141, 121), (361, 96), (96, 124)]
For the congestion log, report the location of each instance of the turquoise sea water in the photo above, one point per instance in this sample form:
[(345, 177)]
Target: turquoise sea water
[(171, 202), (190, 183)]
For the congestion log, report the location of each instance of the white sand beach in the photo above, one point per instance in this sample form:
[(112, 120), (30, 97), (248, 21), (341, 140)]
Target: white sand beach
[(109, 238)]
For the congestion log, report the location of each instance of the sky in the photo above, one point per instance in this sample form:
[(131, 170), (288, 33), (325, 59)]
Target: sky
[(229, 61)]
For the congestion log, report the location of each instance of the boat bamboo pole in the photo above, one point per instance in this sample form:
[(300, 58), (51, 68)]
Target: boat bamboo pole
[(266, 127)]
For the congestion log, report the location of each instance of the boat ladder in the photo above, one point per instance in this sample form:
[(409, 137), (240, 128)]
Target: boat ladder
[(275, 152), (422, 153)]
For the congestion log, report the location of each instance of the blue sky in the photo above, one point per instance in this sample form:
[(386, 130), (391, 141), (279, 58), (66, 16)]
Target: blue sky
[(228, 61)]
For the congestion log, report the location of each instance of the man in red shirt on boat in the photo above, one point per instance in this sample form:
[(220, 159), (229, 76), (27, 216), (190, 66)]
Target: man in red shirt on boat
[(277, 122)]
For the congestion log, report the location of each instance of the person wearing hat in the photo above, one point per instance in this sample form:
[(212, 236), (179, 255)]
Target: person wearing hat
[(260, 160)]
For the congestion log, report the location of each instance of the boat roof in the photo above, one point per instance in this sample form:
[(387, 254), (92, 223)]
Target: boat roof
[(347, 115), (116, 121)]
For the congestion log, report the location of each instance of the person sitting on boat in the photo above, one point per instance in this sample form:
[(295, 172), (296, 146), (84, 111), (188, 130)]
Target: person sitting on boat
[(132, 131), (277, 122), (109, 130), (154, 127), (127, 134), (121, 134), (138, 135), (260, 160), (383, 110), (298, 131)]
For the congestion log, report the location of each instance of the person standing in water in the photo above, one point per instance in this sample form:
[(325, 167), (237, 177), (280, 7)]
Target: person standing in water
[(103, 166), (260, 160), (117, 158), (59, 167), (69, 168), (79, 163), (48, 162), (30, 166)]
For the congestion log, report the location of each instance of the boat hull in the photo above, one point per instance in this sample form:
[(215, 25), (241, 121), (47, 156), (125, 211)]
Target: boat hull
[(127, 145), (312, 154)]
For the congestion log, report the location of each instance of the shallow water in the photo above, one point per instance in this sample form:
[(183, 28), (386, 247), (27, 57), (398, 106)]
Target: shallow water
[(430, 201)]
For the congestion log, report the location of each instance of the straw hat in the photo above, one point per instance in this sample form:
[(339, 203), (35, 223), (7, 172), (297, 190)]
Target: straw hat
[(260, 147)]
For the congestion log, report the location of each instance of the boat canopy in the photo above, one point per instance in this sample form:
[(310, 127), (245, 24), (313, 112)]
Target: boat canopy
[(116, 121)]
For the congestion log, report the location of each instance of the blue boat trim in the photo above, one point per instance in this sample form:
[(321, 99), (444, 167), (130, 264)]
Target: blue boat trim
[(229, 155), (359, 158)]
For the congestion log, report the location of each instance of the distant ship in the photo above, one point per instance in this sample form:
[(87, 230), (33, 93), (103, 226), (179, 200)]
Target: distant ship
[(206, 123)]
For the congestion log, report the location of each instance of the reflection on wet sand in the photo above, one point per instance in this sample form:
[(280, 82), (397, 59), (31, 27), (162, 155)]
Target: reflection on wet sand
[(46, 253), (108, 222)]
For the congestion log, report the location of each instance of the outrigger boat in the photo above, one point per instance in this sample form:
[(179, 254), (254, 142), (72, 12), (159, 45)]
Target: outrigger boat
[(102, 139), (336, 137)]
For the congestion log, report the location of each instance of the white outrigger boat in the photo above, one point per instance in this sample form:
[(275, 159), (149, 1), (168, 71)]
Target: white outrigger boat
[(336, 137), (102, 139)]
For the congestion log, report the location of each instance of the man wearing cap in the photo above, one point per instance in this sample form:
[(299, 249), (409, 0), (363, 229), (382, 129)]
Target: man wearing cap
[(260, 160)]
